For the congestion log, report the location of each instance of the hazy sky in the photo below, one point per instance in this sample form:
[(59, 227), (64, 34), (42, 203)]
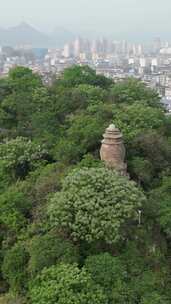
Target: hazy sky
[(118, 17)]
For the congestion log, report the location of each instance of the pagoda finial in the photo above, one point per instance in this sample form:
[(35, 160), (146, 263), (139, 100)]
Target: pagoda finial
[(111, 127)]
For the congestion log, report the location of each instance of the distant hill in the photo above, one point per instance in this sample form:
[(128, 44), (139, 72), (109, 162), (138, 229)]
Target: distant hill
[(61, 36), (26, 34)]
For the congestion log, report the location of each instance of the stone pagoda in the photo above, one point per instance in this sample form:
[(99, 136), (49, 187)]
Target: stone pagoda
[(112, 151)]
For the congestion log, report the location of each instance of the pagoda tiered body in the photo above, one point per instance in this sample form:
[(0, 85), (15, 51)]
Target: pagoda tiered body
[(112, 151)]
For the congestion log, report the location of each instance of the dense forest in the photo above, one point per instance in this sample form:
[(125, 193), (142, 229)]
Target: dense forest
[(70, 231)]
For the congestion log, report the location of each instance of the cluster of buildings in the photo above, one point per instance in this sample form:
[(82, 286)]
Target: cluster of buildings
[(115, 59)]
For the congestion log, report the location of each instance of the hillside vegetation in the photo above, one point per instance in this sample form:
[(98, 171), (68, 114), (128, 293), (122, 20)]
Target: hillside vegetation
[(70, 231)]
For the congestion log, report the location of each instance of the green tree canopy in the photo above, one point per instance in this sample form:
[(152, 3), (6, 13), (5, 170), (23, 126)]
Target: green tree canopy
[(160, 200), (17, 106), (109, 272), (15, 206), (49, 249), (65, 284), (136, 119), (20, 155), (95, 204), (77, 75), (14, 267), (155, 151), (22, 78), (132, 90)]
